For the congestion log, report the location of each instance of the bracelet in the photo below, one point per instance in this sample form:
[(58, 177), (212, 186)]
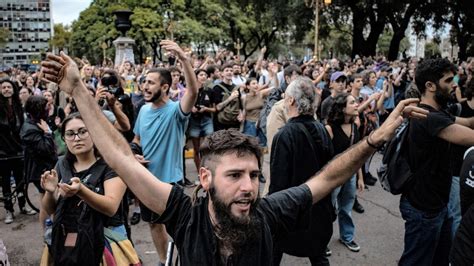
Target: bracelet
[(372, 145)]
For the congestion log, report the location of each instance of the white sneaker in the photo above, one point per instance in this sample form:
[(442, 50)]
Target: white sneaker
[(28, 211), (9, 217)]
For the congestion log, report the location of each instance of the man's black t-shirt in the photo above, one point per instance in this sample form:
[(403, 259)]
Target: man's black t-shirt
[(191, 228), (205, 98), (466, 181), (457, 150), (429, 161)]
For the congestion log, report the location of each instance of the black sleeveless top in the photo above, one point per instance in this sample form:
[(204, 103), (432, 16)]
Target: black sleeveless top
[(340, 140)]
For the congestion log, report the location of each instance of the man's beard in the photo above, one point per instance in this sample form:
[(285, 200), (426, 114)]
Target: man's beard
[(232, 230), (156, 96), (442, 98)]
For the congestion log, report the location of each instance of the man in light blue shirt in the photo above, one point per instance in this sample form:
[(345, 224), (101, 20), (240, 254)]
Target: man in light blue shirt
[(160, 129)]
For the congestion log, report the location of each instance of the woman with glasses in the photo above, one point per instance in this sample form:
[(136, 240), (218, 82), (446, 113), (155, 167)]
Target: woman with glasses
[(82, 183)]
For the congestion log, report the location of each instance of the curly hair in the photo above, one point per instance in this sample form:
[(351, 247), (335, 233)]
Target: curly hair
[(336, 114), (432, 70), (5, 114), (366, 76)]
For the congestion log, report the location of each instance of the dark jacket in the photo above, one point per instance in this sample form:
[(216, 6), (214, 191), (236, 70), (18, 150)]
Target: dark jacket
[(292, 163), (40, 150), (10, 143)]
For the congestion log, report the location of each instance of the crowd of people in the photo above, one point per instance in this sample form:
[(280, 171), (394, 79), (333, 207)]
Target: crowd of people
[(319, 121)]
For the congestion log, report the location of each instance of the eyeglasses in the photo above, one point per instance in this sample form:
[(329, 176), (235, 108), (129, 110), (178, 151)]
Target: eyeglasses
[(82, 133)]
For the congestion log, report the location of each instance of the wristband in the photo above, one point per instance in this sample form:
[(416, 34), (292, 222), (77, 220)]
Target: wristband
[(372, 145)]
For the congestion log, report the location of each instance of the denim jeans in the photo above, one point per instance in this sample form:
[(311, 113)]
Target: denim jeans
[(454, 205), (251, 130), (427, 236), (343, 199)]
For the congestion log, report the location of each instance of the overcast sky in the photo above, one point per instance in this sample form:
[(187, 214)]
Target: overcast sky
[(65, 11)]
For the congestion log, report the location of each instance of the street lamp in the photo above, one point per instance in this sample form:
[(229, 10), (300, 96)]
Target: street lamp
[(316, 5)]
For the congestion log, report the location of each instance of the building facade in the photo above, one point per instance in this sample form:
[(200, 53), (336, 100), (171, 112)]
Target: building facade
[(30, 27)]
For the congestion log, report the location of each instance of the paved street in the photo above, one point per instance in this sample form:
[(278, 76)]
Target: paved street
[(379, 232)]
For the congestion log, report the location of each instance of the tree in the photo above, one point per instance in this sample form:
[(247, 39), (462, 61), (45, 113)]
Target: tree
[(4, 35), (432, 49), (62, 37), (385, 44)]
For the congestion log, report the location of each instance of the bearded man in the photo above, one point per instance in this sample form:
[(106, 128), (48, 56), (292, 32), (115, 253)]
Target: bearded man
[(160, 131), (423, 204)]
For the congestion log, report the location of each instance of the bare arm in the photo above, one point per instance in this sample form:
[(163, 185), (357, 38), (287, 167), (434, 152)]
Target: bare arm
[(108, 204), (366, 104), (122, 123), (343, 167), (114, 148), (458, 134), (467, 122), (191, 93)]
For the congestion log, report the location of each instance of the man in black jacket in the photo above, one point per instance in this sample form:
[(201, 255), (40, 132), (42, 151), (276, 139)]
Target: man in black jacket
[(300, 149), (38, 143)]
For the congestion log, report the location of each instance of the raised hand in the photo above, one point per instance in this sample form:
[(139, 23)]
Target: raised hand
[(44, 126), (395, 119), (173, 48), (61, 70), (49, 181), (70, 190)]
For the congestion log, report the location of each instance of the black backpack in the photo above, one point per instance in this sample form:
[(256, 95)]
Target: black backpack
[(78, 230), (395, 173)]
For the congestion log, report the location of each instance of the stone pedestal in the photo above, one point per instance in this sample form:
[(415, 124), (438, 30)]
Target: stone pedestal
[(124, 50)]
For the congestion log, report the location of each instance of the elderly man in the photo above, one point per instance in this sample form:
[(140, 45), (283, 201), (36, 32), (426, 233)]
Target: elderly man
[(301, 148)]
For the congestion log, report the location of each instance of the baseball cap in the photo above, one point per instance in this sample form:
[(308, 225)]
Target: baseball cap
[(337, 75)]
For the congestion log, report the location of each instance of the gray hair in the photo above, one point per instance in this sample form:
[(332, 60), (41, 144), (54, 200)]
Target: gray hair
[(302, 90)]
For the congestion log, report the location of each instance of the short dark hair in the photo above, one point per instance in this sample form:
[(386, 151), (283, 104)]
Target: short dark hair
[(336, 111), (288, 71), (165, 75), (199, 70), (225, 142), (174, 69), (432, 70), (211, 69), (227, 65), (35, 107)]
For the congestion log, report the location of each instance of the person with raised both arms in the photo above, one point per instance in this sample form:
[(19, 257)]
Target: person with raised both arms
[(232, 225)]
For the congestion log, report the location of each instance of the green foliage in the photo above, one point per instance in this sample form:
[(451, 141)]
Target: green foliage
[(4, 34), (432, 49), (61, 38)]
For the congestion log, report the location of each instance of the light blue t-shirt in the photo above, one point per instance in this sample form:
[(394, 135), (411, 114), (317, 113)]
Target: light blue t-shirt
[(161, 133)]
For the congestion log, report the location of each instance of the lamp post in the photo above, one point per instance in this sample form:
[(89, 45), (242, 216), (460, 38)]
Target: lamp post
[(104, 46), (237, 46), (316, 5)]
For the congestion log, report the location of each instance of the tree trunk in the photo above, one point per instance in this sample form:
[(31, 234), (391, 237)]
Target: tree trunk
[(357, 33), (395, 46), (462, 43)]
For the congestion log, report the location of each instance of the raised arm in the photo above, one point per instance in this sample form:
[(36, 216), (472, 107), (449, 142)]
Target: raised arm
[(343, 167), (110, 143), (190, 96)]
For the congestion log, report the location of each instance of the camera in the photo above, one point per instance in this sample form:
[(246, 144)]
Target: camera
[(111, 82)]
